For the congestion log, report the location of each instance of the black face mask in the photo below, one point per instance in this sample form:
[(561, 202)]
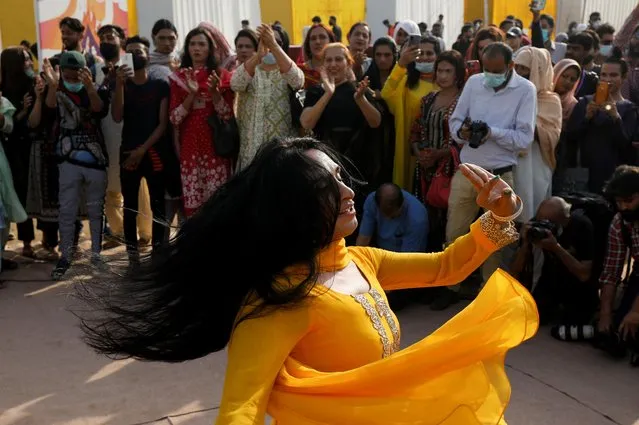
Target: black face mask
[(139, 62), (630, 216), (109, 51)]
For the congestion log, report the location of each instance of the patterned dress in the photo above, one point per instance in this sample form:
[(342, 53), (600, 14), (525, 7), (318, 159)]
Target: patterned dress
[(263, 107), (202, 171)]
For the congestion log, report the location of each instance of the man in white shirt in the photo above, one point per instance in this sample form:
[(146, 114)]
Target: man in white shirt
[(507, 104)]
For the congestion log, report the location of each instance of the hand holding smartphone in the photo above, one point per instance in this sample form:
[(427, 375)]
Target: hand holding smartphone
[(127, 60), (414, 40), (538, 5), (602, 93)]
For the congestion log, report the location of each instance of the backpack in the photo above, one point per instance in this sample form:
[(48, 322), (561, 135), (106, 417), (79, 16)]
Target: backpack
[(600, 213)]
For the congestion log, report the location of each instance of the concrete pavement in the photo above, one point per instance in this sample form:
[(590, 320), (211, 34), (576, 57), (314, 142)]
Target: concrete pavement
[(48, 377)]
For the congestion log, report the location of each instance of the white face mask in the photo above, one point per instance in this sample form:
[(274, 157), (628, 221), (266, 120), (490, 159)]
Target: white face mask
[(606, 50)]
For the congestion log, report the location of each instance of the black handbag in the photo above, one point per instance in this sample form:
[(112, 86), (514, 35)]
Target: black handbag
[(226, 136)]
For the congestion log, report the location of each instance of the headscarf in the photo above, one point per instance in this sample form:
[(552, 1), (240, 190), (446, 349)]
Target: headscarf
[(222, 47), (409, 27), (549, 116), (568, 100)]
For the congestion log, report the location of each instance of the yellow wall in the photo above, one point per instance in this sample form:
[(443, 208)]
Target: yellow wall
[(278, 10), (17, 22), (296, 14), (133, 17), (499, 9)]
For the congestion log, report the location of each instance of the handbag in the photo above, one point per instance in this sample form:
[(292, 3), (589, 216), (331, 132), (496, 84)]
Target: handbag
[(576, 179), (226, 136), (439, 189)]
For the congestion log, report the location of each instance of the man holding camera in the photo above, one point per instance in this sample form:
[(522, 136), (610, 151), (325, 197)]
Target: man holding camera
[(565, 241), (494, 120)]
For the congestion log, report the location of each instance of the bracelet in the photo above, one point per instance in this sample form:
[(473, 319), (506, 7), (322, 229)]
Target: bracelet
[(511, 217)]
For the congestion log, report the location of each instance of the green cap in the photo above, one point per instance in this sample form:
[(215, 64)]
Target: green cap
[(72, 60)]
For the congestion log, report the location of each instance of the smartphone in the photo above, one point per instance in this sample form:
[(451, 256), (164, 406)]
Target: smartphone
[(538, 5), (473, 67), (414, 40), (127, 60), (602, 93)]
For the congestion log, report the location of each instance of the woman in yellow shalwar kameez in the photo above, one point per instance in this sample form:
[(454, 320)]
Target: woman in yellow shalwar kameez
[(312, 339), (410, 80)]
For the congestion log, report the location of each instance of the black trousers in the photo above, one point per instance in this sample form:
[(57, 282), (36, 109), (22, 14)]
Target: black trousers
[(18, 152), (130, 182)]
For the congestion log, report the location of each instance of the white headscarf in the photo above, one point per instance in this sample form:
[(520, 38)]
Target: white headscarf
[(410, 27)]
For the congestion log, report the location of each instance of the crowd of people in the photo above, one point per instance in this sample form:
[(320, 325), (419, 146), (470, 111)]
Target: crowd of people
[(142, 135)]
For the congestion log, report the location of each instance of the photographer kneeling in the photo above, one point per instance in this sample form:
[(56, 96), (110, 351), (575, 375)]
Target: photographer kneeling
[(566, 241)]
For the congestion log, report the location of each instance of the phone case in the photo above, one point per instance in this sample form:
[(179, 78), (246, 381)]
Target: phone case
[(127, 60), (539, 5), (603, 91)]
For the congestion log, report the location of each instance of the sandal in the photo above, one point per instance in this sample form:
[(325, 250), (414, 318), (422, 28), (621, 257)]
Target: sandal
[(28, 252)]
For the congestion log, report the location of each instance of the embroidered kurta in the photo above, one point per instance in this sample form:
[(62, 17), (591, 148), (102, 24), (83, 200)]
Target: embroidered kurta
[(202, 171), (336, 360), (263, 107)]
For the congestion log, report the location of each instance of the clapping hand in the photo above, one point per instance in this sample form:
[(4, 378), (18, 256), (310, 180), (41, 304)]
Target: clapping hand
[(328, 82), (495, 194), (213, 82), (191, 82), (267, 36), (51, 76), (362, 87), (86, 78)]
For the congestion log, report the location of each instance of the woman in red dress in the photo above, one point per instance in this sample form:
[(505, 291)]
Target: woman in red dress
[(310, 61), (199, 89)]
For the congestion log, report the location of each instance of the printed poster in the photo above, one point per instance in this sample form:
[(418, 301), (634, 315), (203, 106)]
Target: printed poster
[(92, 13)]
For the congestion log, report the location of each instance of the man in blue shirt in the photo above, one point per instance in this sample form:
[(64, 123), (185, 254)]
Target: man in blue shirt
[(396, 219)]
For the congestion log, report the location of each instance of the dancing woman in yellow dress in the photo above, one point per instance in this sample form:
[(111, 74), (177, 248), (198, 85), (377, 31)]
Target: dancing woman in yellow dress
[(263, 268)]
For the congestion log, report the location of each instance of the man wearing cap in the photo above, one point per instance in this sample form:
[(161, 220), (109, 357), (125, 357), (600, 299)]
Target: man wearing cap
[(514, 39), (80, 149)]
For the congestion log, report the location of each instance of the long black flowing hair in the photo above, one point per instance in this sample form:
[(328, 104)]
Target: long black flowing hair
[(279, 211)]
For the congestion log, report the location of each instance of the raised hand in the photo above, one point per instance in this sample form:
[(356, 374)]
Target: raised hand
[(191, 82), (267, 36), (122, 74), (494, 194), (362, 87), (408, 55), (27, 101), (86, 77), (174, 64), (213, 82), (328, 82), (51, 76)]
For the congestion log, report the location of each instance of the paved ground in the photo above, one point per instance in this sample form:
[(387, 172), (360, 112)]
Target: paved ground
[(48, 377)]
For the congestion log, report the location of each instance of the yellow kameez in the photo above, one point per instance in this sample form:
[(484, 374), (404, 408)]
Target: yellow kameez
[(404, 104), (336, 358)]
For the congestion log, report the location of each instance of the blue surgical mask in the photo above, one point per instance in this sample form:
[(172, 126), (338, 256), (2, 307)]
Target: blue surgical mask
[(269, 59), (73, 87), (425, 67), (494, 80), (545, 33), (29, 73), (606, 50)]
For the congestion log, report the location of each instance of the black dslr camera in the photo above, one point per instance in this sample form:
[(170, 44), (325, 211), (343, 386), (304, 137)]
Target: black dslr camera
[(539, 228), (478, 130)]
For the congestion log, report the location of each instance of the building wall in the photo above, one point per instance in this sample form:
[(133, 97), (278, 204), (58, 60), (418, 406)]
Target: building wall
[(422, 11), (278, 10), (499, 9), (18, 24)]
